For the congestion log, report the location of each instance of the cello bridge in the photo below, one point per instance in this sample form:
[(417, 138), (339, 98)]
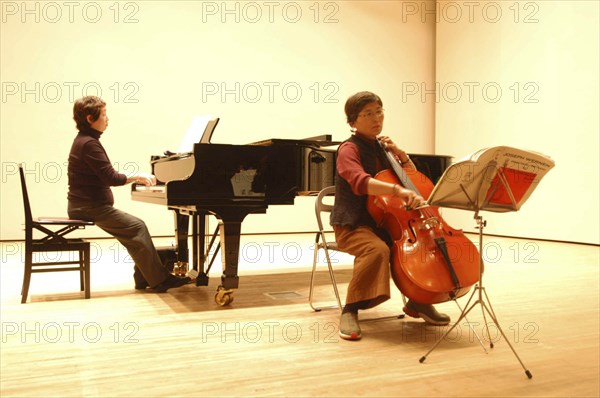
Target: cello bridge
[(431, 223)]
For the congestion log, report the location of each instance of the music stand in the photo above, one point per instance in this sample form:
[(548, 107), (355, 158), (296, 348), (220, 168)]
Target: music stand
[(498, 179)]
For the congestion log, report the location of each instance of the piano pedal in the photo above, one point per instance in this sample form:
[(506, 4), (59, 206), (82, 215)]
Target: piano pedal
[(192, 274), (180, 269)]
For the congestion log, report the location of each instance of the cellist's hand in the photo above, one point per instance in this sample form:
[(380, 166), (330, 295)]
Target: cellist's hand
[(389, 145), (411, 199)]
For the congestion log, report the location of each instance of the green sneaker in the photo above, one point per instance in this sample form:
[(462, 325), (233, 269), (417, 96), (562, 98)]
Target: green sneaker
[(349, 329)]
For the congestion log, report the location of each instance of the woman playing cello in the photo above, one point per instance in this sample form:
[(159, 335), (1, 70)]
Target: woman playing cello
[(355, 230)]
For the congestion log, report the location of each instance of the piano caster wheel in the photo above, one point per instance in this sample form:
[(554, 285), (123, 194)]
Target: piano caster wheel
[(224, 296)]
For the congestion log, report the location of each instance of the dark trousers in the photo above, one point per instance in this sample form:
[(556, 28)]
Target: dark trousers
[(131, 232)]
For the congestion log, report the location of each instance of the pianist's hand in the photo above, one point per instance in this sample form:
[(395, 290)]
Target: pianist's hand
[(143, 178)]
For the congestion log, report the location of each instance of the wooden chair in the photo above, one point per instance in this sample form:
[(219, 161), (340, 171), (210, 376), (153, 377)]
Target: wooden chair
[(54, 240)]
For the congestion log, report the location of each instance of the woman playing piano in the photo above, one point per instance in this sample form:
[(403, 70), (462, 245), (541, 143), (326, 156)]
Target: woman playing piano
[(355, 231), (90, 197)]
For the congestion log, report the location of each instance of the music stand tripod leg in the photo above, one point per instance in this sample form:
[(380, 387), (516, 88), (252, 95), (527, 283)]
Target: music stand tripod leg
[(469, 324), (480, 291), (460, 318), (492, 315)]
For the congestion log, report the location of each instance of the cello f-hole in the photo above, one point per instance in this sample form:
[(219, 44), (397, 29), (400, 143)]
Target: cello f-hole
[(412, 234)]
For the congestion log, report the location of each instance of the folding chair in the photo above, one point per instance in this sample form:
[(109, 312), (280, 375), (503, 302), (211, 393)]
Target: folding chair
[(321, 243), (54, 240)]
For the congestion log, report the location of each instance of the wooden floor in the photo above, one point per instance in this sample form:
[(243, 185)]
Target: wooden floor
[(268, 342)]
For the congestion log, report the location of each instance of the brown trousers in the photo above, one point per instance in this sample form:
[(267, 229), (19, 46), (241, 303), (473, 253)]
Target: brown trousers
[(370, 281)]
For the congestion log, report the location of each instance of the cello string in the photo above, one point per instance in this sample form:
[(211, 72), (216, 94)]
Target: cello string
[(403, 177)]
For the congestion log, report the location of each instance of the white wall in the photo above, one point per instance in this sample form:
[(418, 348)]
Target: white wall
[(544, 58), (158, 63)]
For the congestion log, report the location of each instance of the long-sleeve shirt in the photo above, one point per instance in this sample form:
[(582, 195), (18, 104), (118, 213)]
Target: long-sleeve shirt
[(90, 172)]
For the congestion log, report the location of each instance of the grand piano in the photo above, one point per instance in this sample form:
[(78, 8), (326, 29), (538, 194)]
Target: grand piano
[(232, 181)]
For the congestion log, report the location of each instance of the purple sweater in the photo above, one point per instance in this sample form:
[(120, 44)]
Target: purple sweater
[(90, 172)]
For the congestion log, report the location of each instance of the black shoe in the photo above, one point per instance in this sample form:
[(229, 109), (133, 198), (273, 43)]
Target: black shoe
[(171, 282), (141, 285)]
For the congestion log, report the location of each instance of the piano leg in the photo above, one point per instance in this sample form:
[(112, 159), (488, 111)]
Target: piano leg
[(230, 228), (175, 258), (230, 250), (229, 232), (182, 222), (199, 231), (203, 244), (180, 252)]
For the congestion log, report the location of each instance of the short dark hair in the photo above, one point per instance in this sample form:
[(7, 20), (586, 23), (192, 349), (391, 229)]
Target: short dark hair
[(85, 106), (357, 102)]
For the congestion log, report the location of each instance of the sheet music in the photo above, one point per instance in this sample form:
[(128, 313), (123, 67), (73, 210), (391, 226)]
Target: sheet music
[(194, 133), (496, 179)]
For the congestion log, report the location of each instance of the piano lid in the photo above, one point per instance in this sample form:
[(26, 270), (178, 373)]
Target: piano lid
[(316, 142)]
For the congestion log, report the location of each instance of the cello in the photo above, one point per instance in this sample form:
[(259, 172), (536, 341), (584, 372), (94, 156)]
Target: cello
[(431, 262)]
